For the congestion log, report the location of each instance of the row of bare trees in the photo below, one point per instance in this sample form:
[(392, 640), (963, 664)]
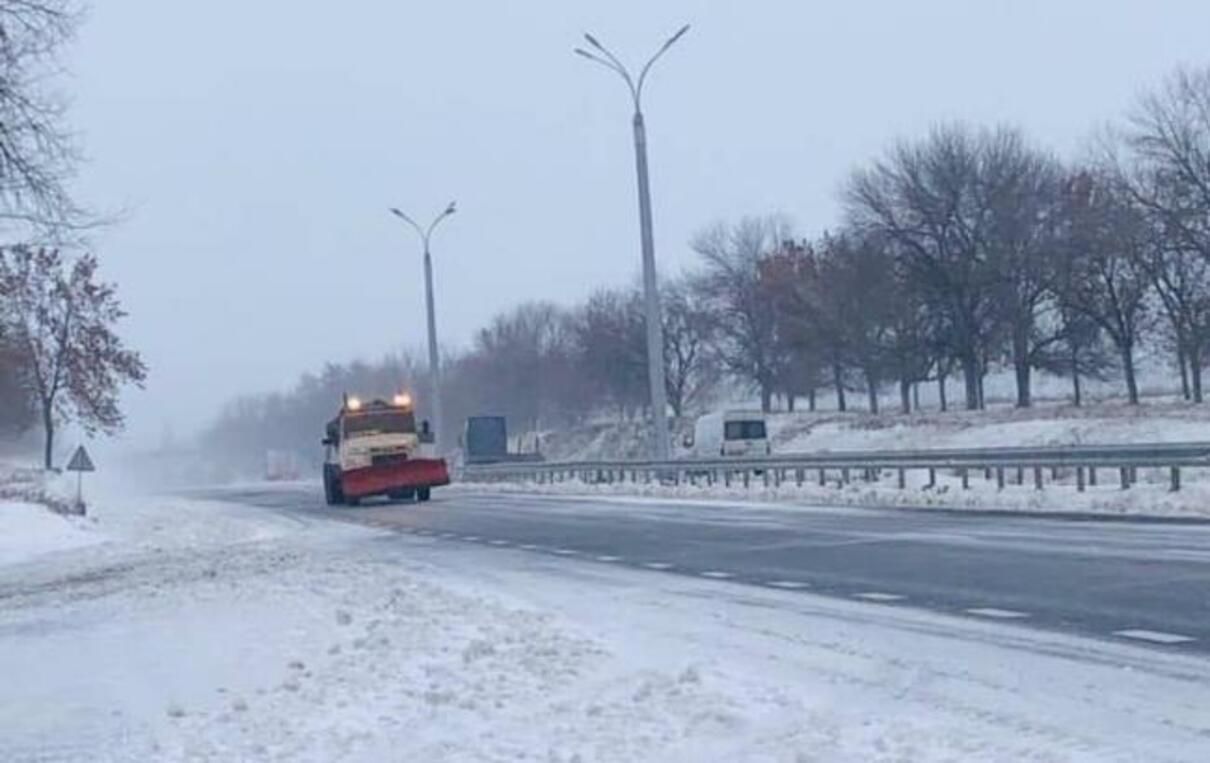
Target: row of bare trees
[(972, 249), (962, 252)]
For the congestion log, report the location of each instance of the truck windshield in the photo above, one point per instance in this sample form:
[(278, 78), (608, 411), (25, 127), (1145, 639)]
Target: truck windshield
[(380, 422), (744, 430)]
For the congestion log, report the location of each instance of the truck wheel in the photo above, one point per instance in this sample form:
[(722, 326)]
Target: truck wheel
[(401, 495), (422, 494), (352, 501), (332, 492)]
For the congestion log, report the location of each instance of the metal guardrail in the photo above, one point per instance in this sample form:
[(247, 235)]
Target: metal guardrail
[(1083, 461)]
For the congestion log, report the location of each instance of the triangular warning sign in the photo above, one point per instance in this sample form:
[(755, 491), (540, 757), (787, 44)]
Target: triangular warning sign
[(80, 462)]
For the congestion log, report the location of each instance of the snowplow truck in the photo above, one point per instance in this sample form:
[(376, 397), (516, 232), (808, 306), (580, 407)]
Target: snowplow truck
[(374, 448)]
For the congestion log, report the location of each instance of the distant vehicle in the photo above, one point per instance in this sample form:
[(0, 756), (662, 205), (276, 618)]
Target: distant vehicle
[(281, 465), (730, 434), (485, 441), (374, 448)]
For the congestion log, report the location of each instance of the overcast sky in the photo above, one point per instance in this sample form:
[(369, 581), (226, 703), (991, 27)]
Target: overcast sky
[(257, 146)]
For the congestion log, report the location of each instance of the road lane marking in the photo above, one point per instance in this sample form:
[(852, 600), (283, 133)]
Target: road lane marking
[(1155, 637), (657, 565), (792, 585), (566, 551), (879, 596), (528, 547), (471, 538), (499, 542), (1002, 614), (716, 574), (607, 558)]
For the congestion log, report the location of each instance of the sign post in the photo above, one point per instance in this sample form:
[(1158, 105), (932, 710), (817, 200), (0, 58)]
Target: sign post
[(80, 463)]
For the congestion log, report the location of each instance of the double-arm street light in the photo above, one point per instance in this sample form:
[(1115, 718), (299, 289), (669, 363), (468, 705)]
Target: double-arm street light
[(655, 334), (434, 358)]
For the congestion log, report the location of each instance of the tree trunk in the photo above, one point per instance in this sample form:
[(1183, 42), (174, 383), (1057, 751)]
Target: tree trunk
[(1132, 385), (971, 379), (1075, 377), (916, 396), (1024, 396), (791, 400), (941, 377), (841, 405), (766, 398), (1021, 367), (1195, 372), (1183, 364), (48, 426), (905, 396), (871, 385), (811, 400)]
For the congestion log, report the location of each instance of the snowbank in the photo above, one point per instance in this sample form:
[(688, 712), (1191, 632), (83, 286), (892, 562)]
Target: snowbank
[(30, 530), (212, 632)]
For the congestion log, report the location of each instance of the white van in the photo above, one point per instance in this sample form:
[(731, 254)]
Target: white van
[(730, 433)]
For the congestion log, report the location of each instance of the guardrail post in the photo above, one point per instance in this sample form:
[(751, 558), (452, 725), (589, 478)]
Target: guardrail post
[(902, 475), (726, 478), (1037, 478), (747, 478), (1134, 474), (966, 479), (798, 476), (764, 477), (1080, 478), (844, 475), (987, 473), (1175, 476), (1124, 473), (999, 477), (1092, 476), (777, 477), (823, 477), (1020, 475), (1054, 473), (932, 478)]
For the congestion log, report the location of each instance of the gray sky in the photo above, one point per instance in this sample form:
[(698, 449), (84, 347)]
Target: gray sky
[(257, 146)]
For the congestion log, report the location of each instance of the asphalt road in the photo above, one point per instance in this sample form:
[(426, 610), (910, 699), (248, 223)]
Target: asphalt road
[(1141, 582)]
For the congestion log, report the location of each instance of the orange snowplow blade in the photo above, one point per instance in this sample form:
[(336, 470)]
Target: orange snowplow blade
[(405, 475)]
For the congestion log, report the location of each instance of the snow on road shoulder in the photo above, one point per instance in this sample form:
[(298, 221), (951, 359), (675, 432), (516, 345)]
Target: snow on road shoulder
[(29, 530), (316, 641)]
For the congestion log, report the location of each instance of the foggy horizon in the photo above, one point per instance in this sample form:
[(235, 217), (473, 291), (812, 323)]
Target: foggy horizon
[(258, 159)]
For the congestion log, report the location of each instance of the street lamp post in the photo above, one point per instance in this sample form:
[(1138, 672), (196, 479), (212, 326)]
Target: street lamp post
[(434, 358), (655, 334)]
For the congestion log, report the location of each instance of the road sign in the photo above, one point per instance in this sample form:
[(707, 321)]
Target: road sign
[(80, 462)]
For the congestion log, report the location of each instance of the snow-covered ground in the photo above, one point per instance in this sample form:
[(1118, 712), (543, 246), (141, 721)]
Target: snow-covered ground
[(196, 630)]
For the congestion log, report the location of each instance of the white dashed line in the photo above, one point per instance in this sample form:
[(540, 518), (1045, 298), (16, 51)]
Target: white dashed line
[(471, 538), (658, 566), (1002, 614), (528, 547), (566, 551), (879, 596), (1155, 637), (716, 574), (609, 559), (499, 542), (788, 584)]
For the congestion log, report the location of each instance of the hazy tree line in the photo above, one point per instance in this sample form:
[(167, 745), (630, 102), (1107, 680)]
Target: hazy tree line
[(963, 251), (60, 359)]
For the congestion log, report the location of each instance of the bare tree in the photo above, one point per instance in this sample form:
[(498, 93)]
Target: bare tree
[(62, 320), (733, 287), (611, 345), (929, 198), (1108, 239), (1021, 189), (37, 153), (689, 329), (1168, 175)]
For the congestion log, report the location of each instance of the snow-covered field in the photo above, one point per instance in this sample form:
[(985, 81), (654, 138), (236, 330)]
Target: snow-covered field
[(190, 630)]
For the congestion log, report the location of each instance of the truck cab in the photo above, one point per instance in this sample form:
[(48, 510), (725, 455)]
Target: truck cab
[(375, 448)]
